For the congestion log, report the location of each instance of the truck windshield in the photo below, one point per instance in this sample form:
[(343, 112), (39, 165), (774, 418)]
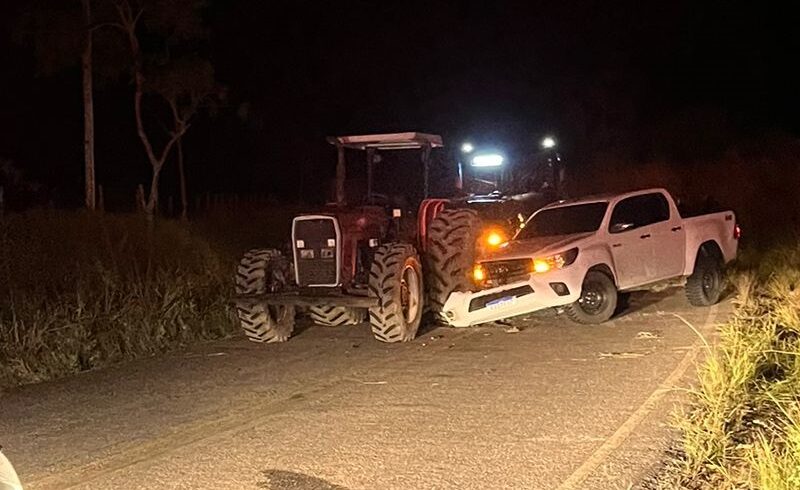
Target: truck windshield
[(565, 220)]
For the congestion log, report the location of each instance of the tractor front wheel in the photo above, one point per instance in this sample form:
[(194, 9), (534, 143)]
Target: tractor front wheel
[(336, 316), (263, 271)]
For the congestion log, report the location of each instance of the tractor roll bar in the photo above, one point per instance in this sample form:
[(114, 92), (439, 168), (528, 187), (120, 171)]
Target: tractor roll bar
[(389, 141)]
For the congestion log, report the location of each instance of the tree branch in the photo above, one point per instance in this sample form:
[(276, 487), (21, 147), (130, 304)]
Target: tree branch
[(116, 25)]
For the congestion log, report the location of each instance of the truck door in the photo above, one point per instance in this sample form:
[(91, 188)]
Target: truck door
[(668, 240), (642, 243)]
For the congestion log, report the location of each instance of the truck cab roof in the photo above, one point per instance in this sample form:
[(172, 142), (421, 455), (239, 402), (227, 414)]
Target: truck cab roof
[(605, 197)]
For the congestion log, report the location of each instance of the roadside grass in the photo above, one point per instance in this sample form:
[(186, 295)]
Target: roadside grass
[(742, 429), (80, 291), (233, 231)]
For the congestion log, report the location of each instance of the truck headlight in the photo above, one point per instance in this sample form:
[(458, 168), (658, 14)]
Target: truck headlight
[(557, 261)]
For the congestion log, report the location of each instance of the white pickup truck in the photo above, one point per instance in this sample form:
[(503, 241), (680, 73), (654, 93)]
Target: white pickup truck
[(579, 254)]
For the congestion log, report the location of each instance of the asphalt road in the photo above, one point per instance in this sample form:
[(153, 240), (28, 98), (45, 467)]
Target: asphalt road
[(553, 406)]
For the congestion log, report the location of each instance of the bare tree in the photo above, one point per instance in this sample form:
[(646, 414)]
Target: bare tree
[(186, 85), (88, 108), (176, 83), (63, 35)]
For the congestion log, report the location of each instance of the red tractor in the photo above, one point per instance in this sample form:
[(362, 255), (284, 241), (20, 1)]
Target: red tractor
[(367, 256)]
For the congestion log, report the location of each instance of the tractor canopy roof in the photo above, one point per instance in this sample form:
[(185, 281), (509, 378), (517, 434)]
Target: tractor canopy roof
[(389, 141)]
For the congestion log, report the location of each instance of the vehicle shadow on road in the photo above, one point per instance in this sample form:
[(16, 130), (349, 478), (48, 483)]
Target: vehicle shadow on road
[(634, 302), (286, 480)]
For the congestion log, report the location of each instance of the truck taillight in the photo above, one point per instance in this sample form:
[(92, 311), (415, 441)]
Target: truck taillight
[(737, 232)]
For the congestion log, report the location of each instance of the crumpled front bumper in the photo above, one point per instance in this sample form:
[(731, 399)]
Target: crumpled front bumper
[(465, 309)]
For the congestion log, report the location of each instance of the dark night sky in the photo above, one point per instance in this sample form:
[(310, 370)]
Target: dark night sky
[(603, 76)]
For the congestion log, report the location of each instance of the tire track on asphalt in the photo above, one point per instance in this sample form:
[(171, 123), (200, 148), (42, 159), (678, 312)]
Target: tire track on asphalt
[(607, 448)]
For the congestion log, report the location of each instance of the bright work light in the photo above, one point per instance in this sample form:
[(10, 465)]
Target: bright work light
[(548, 142), (467, 147), (487, 160)]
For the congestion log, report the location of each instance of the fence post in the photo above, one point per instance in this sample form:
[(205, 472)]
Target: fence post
[(140, 202), (101, 200)]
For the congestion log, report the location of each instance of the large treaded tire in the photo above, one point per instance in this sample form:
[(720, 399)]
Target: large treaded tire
[(450, 254), (336, 316), (389, 322), (587, 313), (704, 287), (261, 271)]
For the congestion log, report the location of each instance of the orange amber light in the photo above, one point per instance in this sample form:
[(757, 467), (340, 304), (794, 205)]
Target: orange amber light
[(478, 273)]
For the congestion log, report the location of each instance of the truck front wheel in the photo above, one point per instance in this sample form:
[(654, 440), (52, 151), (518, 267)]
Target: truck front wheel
[(395, 279), (597, 302)]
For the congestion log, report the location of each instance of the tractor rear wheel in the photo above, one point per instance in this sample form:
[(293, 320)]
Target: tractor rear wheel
[(263, 271), (451, 251), (336, 316), (395, 279)]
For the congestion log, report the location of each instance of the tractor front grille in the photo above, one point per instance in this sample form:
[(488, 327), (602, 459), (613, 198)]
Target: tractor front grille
[(316, 246)]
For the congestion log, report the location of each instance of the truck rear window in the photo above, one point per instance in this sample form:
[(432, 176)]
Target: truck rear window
[(565, 220)]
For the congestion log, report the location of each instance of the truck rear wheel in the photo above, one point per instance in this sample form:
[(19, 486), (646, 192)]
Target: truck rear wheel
[(450, 255), (704, 287), (395, 278), (597, 302), (263, 271), (336, 316)]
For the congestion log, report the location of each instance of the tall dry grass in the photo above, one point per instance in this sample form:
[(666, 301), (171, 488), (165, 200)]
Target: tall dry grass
[(743, 428), (80, 291)]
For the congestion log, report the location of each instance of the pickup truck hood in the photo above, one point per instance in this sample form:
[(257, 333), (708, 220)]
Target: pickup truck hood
[(536, 247)]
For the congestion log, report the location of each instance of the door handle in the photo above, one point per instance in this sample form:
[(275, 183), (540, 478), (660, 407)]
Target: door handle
[(677, 228), (646, 235), (616, 245)]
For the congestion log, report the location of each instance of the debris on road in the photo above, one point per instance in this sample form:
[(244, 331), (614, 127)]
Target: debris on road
[(512, 329), (622, 355), (647, 335), (374, 382)]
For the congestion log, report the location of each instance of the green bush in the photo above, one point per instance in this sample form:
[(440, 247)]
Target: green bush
[(79, 291)]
